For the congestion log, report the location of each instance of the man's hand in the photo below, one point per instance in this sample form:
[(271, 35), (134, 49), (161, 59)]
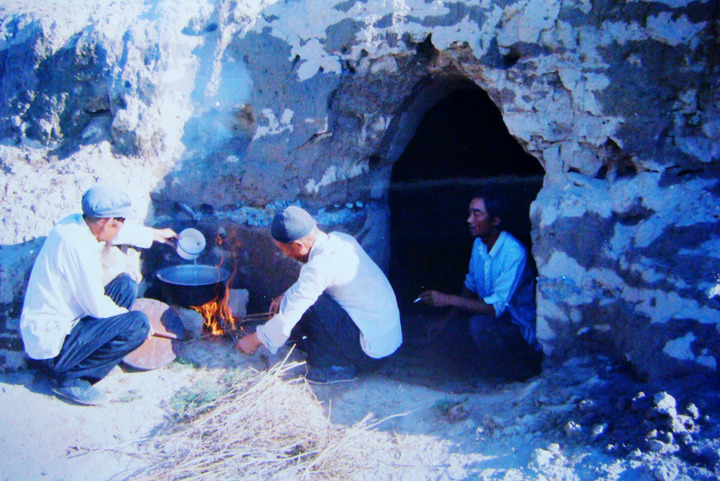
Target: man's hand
[(164, 235), (275, 305), (249, 344), (436, 299)]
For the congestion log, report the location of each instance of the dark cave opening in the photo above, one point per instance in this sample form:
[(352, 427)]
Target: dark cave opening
[(460, 147)]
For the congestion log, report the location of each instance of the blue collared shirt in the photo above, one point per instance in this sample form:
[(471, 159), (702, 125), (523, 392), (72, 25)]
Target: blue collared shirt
[(502, 279)]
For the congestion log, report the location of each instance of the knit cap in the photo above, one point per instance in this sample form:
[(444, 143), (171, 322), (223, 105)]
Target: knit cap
[(291, 224)]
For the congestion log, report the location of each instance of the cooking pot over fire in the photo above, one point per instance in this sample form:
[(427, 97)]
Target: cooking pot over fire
[(192, 285)]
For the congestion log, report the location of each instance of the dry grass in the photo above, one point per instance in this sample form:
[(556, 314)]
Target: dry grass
[(263, 428)]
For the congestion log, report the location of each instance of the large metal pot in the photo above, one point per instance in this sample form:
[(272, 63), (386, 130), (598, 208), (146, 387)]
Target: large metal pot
[(192, 284)]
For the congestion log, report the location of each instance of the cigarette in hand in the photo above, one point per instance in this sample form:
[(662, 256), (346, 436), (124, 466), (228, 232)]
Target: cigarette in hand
[(417, 300)]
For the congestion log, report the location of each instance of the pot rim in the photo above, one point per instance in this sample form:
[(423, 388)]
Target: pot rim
[(211, 275)]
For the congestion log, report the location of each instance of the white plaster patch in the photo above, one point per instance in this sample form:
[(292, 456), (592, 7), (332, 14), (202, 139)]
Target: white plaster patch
[(407, 17), (303, 25), (385, 65), (549, 310), (705, 150), (681, 204), (582, 86), (334, 174), (524, 21), (680, 348), (545, 334), (621, 240), (709, 248), (648, 274), (467, 31), (714, 290), (662, 307), (562, 266), (606, 278), (315, 58), (707, 361), (673, 32), (574, 199), (274, 126), (647, 231), (488, 28)]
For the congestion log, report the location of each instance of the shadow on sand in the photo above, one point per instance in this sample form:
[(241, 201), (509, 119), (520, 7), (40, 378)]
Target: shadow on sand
[(451, 362)]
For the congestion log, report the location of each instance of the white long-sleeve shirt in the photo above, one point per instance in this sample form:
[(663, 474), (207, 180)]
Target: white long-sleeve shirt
[(338, 266), (66, 284), (502, 279)]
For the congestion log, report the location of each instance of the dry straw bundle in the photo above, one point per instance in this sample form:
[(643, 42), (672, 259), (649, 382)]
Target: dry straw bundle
[(265, 428)]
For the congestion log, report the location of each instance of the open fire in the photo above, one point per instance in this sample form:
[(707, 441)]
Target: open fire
[(218, 313), (219, 318)]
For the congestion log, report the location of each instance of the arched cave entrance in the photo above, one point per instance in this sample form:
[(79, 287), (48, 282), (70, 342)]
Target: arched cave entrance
[(460, 147)]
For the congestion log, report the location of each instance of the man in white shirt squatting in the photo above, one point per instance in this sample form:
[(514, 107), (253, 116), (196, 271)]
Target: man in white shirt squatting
[(499, 290), (74, 325), (341, 311)]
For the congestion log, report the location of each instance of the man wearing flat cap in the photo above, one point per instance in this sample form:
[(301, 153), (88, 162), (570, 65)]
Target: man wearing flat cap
[(76, 327), (341, 311)]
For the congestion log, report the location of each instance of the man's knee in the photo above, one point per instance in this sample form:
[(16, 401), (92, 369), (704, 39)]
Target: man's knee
[(124, 281), (480, 327), (139, 325), (123, 290)]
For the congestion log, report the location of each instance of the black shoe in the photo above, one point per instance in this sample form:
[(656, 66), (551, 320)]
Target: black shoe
[(79, 391), (331, 374)]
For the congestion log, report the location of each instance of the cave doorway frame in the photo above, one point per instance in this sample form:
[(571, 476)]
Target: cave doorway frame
[(428, 96)]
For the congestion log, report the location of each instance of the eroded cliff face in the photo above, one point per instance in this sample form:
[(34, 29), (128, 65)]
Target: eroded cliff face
[(227, 110)]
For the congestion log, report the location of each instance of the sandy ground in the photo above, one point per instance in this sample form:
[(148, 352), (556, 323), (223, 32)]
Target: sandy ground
[(583, 420)]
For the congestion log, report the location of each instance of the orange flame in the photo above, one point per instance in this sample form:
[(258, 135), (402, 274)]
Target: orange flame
[(218, 315)]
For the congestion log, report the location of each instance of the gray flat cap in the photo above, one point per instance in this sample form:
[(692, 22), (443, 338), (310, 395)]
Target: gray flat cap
[(291, 224), (106, 201)]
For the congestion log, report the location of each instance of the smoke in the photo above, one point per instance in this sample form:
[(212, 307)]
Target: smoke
[(221, 115)]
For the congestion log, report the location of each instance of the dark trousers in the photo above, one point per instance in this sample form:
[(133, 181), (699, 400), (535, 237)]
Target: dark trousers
[(329, 337), (502, 348), (95, 346), (493, 331)]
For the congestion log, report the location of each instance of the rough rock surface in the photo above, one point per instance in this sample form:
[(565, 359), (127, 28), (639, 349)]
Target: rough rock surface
[(226, 110)]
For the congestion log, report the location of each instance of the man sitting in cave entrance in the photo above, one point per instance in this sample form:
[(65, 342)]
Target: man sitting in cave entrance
[(341, 311), (498, 295), (74, 325)]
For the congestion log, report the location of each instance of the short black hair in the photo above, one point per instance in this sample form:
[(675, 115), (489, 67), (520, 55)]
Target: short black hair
[(495, 203)]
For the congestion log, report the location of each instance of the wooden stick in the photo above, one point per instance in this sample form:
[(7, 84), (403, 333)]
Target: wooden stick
[(260, 316), (167, 335)]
